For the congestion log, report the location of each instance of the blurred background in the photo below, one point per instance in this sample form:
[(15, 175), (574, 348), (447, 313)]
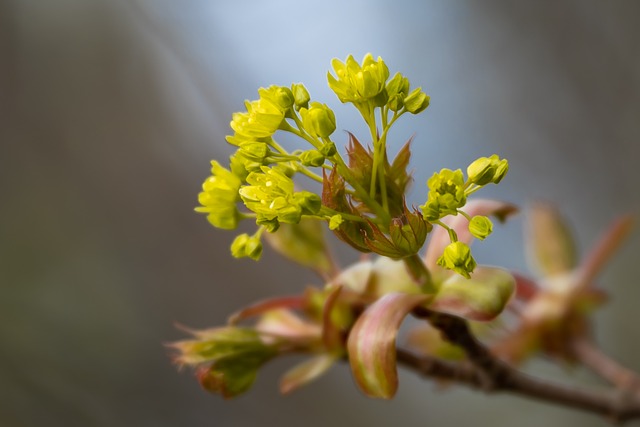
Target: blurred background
[(110, 111)]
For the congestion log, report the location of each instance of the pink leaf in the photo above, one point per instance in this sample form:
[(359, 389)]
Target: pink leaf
[(264, 306), (526, 288), (481, 298), (305, 372), (549, 241), (331, 334), (372, 343), (283, 323), (611, 240)]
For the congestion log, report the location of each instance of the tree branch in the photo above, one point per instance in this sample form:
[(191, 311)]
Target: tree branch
[(607, 368), (490, 374)]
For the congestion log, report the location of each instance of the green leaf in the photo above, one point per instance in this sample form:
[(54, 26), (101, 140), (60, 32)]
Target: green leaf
[(427, 339), (481, 298), (231, 377), (372, 343), (218, 343), (306, 372), (303, 243)]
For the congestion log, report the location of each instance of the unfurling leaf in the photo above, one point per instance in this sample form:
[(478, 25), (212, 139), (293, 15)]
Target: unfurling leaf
[(373, 279), (389, 276), (332, 320), (396, 176), (604, 249), (407, 234), (481, 298), (360, 161), (264, 306), (334, 196), (398, 169), (286, 324), (549, 241), (235, 355), (306, 372), (372, 343), (303, 243), (427, 339), (219, 343), (356, 277)]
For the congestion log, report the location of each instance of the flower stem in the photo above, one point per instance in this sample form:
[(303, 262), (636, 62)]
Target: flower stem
[(420, 273)]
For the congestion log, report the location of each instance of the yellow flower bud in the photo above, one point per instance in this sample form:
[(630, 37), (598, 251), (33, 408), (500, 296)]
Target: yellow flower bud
[(219, 196), (312, 158), (359, 83), (457, 257), (487, 169), (417, 101), (446, 194), (318, 120), (335, 221), (480, 227), (300, 95), (280, 96), (246, 246)]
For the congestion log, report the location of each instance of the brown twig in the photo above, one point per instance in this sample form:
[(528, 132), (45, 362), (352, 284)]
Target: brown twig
[(488, 373), (592, 357)]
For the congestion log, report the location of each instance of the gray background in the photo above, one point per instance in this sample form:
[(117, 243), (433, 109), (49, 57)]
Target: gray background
[(110, 111)]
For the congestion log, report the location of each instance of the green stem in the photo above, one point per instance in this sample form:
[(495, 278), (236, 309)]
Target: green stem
[(306, 172), (299, 132), (420, 273), (327, 211), (472, 189), (371, 121), (382, 152), (452, 234), (464, 214), (278, 147)]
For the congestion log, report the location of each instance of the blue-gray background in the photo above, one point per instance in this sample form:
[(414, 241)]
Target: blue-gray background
[(110, 111)]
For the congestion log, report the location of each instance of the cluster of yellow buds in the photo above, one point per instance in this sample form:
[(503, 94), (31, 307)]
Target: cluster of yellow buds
[(448, 193), (363, 203), (363, 196)]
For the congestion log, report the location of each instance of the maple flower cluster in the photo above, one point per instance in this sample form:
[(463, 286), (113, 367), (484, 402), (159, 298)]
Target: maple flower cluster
[(363, 196), (362, 201)]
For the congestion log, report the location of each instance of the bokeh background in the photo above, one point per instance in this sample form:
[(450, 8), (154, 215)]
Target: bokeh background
[(110, 111)]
